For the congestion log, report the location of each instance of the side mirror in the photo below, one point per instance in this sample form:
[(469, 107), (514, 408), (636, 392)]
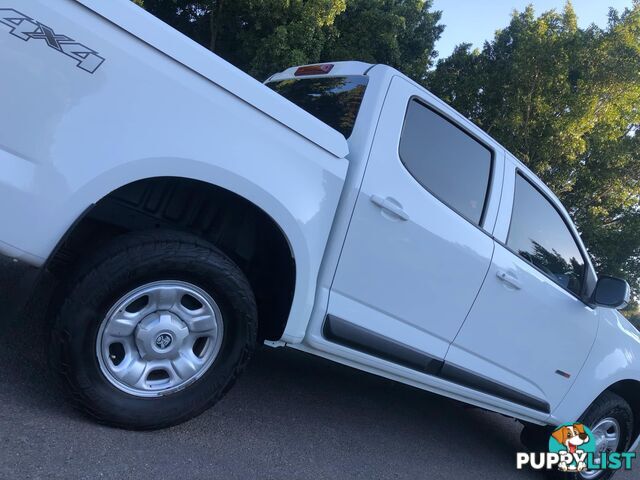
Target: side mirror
[(612, 292)]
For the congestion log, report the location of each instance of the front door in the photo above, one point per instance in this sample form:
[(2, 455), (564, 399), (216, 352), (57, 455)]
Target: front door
[(529, 333)]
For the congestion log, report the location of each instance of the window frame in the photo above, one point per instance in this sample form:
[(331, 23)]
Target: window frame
[(492, 160), (568, 224)]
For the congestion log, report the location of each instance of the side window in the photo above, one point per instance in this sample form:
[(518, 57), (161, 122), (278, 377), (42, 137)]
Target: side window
[(445, 160), (539, 234)]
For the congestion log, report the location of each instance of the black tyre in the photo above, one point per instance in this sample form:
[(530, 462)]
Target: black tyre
[(535, 438), (612, 415), (153, 330)]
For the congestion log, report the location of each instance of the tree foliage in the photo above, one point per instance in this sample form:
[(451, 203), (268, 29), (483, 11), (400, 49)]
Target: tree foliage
[(262, 37), (400, 33), (565, 101)]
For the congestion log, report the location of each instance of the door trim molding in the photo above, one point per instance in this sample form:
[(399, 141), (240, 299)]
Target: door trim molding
[(358, 338), (345, 333), (464, 377)]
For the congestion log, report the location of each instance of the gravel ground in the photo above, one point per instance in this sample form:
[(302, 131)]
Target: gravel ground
[(290, 416)]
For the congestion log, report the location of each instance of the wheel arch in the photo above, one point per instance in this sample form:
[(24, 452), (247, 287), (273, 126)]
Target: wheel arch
[(629, 390), (230, 220)]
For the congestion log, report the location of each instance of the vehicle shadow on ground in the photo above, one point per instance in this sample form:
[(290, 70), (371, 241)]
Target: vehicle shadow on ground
[(290, 415)]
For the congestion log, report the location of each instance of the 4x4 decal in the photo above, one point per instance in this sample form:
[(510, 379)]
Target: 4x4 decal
[(26, 28)]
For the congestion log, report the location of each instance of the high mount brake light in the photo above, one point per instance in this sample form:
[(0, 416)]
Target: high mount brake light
[(314, 70)]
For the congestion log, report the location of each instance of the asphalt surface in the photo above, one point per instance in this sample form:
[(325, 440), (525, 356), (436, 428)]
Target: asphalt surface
[(291, 416)]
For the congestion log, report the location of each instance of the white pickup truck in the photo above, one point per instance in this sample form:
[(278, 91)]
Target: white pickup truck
[(190, 212)]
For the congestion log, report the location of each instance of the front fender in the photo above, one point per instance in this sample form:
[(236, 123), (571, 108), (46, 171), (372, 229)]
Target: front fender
[(615, 357)]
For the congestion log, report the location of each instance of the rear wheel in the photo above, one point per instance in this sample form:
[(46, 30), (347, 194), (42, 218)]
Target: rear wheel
[(154, 330)]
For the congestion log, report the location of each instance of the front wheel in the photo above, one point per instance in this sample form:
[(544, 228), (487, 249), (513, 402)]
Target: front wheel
[(154, 330), (610, 419)]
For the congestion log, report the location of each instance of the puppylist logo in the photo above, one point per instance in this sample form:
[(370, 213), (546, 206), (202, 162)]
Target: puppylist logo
[(573, 447)]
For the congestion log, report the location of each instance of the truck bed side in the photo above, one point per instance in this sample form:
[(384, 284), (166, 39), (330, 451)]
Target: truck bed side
[(158, 105)]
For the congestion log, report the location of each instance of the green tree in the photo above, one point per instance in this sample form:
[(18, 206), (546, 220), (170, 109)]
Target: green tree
[(400, 33), (262, 37), (565, 101), (258, 36), (634, 316)]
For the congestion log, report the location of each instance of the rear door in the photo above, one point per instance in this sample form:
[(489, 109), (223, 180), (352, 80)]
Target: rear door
[(529, 333), (418, 245)]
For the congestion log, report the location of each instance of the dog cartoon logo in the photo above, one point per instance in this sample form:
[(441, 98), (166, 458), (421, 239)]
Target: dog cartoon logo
[(573, 442), (572, 449)]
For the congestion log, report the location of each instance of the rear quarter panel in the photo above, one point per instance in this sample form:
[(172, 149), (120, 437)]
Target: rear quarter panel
[(69, 137)]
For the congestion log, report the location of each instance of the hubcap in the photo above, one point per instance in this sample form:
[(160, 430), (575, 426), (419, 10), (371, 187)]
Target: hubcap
[(159, 338), (607, 437)]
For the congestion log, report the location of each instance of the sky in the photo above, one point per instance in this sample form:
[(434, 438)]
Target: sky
[(474, 21)]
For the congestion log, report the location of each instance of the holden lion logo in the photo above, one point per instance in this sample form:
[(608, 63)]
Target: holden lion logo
[(163, 341), (574, 448)]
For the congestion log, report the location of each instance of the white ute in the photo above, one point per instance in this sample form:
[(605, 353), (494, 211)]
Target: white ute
[(189, 212)]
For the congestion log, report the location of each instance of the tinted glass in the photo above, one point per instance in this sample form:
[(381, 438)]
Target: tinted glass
[(448, 162), (334, 100), (539, 235)]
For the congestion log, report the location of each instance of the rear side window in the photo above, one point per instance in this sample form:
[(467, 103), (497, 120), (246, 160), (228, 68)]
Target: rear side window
[(447, 161), (334, 100), (539, 234)]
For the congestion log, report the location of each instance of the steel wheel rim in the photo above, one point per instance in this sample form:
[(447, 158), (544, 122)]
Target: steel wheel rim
[(607, 438), (159, 338)]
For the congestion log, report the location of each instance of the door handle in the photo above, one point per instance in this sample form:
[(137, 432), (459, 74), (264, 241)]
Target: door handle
[(390, 205), (509, 279)]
